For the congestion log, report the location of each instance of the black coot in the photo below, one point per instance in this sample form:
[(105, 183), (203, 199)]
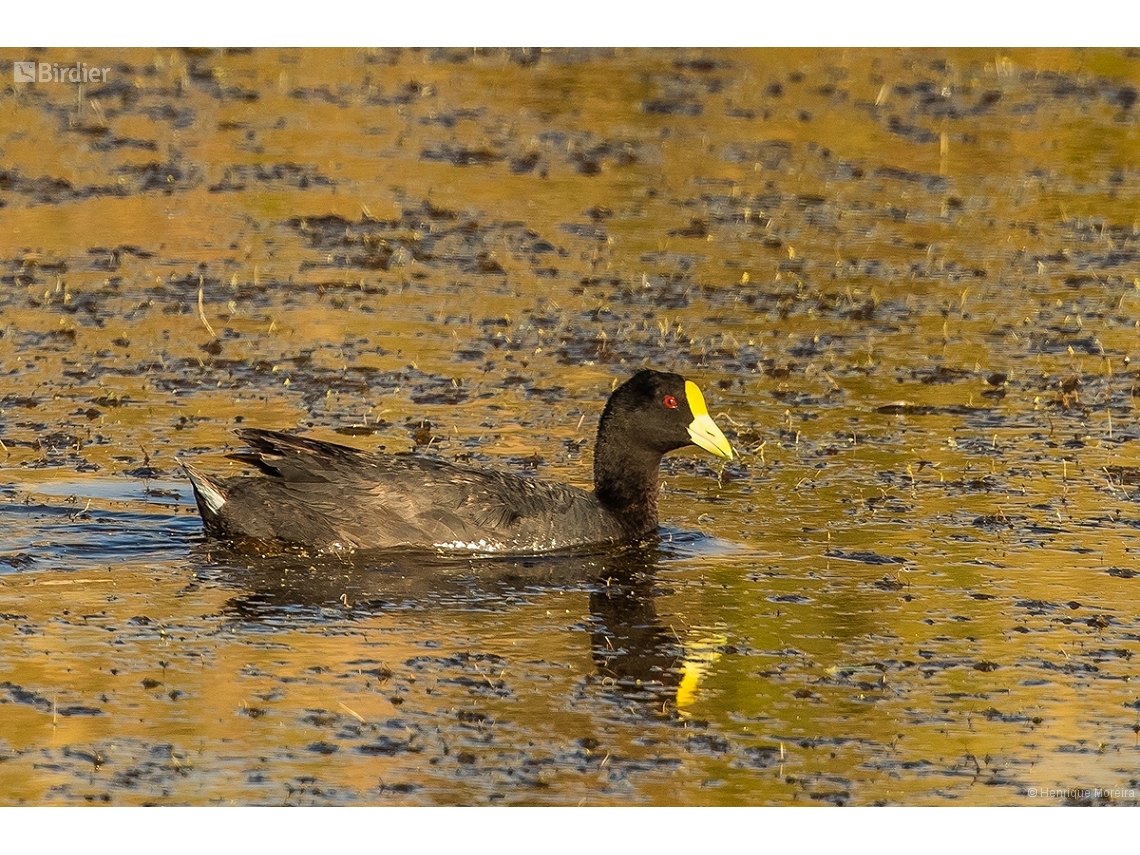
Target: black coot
[(329, 497)]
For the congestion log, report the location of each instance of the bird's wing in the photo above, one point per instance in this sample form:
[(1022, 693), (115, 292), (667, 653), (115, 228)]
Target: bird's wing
[(391, 500)]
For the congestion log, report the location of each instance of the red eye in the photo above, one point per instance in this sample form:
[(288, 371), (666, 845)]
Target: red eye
[(670, 402)]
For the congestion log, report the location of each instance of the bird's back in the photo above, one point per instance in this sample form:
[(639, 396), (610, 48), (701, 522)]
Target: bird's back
[(327, 495)]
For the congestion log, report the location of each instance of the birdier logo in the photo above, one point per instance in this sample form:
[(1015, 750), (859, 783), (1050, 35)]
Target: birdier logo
[(53, 72)]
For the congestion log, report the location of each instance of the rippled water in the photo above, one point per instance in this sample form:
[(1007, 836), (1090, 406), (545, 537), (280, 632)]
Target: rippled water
[(906, 281)]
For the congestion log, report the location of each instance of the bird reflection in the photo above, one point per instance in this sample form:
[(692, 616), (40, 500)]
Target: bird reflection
[(636, 655)]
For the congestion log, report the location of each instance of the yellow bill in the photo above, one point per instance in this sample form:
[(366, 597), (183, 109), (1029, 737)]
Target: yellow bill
[(702, 429)]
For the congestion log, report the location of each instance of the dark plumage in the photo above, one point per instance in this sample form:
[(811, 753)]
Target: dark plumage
[(327, 496)]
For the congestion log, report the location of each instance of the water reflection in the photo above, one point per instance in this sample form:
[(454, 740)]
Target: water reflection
[(74, 532), (908, 274), (636, 652)]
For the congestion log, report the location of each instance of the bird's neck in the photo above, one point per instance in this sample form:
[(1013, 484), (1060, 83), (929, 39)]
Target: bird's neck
[(626, 481)]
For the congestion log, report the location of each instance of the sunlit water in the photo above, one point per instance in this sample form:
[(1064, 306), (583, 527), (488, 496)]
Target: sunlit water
[(906, 282)]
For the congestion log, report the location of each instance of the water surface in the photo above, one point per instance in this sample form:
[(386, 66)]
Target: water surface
[(906, 281)]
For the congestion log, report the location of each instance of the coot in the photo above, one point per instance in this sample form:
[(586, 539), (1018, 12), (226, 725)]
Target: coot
[(325, 496)]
